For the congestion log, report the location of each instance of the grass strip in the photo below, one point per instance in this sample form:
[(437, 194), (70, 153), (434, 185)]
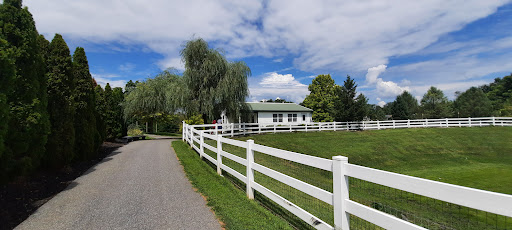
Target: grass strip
[(230, 204)]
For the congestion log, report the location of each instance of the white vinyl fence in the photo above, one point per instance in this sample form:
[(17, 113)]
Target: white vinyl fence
[(198, 136)]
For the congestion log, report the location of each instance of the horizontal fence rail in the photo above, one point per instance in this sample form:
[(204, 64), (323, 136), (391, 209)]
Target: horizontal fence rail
[(211, 138)]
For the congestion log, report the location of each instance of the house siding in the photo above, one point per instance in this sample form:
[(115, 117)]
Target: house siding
[(267, 117)]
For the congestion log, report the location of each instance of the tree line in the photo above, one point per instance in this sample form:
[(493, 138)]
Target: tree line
[(331, 102), (52, 112)]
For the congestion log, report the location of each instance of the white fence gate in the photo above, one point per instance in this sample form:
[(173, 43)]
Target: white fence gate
[(195, 135)]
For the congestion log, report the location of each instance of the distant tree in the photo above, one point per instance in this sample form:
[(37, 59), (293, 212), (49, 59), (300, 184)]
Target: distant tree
[(278, 100), (28, 123), (120, 126), (500, 94), (405, 106), (473, 103), (214, 84), (130, 86), (321, 98), (435, 104), (85, 103), (110, 123), (61, 86), (350, 107), (376, 113)]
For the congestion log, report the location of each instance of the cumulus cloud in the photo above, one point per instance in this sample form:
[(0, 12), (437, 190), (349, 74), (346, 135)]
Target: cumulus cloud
[(385, 89), (127, 67), (323, 35), (103, 79), (274, 85)]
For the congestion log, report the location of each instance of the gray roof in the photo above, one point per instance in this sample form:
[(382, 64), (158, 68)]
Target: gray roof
[(277, 107)]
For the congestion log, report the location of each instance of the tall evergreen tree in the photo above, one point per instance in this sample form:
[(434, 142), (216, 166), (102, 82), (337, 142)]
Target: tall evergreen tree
[(28, 123), (100, 110), (60, 146), (405, 106), (85, 103), (321, 98), (435, 104), (118, 115), (348, 106), (110, 120), (7, 73)]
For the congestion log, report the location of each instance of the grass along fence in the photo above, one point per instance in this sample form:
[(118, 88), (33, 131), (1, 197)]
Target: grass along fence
[(327, 202), (234, 129)]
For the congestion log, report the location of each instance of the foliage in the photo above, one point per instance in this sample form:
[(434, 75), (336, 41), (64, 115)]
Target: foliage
[(114, 121), (85, 103), (500, 94), (278, 100), (350, 107), (473, 103), (28, 123), (435, 104), (376, 113), (214, 84), (100, 114), (321, 98), (61, 141), (195, 120), (404, 107), (135, 132), (7, 73)]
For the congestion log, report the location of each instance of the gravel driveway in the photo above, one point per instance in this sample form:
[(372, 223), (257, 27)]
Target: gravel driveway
[(140, 186)]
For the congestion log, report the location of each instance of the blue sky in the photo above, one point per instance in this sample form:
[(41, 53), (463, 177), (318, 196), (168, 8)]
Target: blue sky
[(387, 46)]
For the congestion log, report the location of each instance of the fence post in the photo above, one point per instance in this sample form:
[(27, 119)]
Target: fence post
[(183, 130), (340, 192), (216, 130), (232, 128), (426, 120), (219, 156), (469, 118), (306, 127), (493, 121), (334, 125), (250, 172), (274, 128), (290, 128), (446, 122), (191, 135), (394, 124), (378, 125), (259, 129), (201, 148), (408, 123)]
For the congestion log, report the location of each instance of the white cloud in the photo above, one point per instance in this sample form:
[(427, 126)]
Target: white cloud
[(127, 67), (324, 35), (103, 79), (274, 85), (384, 89), (278, 60)]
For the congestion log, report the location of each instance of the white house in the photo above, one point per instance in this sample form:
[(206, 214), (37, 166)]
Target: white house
[(267, 112)]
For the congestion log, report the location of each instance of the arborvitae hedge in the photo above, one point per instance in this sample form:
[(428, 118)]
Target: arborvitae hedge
[(60, 146), (28, 124), (7, 74), (85, 103), (100, 115)]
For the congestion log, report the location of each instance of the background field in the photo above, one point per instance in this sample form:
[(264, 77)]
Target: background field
[(478, 157)]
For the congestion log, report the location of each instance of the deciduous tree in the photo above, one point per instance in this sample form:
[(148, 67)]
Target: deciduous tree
[(321, 98)]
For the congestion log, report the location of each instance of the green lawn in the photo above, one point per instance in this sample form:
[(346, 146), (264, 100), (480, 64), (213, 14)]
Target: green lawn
[(478, 157), (230, 204)]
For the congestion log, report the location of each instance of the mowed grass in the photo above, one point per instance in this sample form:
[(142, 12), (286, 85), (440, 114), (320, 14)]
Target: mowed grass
[(229, 203), (478, 157)]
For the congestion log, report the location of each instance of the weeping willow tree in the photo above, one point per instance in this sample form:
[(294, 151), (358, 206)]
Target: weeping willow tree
[(155, 97), (213, 84)]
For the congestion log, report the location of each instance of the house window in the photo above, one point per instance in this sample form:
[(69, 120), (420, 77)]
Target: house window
[(278, 117), (292, 117), (303, 117)]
